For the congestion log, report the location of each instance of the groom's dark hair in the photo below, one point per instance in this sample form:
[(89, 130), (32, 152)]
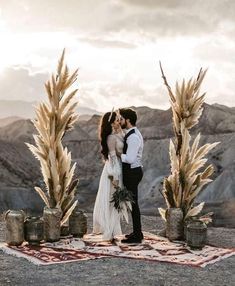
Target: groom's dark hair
[(130, 114)]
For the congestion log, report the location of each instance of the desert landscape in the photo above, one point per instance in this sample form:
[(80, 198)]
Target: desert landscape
[(20, 171)]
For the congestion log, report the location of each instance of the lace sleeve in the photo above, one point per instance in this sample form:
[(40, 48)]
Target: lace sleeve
[(114, 169)]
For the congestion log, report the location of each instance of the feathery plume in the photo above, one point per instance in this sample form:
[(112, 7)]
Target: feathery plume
[(186, 182), (53, 120)]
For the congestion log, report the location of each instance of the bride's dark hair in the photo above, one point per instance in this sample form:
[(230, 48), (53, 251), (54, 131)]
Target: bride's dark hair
[(104, 131)]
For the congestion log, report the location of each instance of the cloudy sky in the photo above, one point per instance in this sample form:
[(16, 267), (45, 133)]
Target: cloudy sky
[(117, 45)]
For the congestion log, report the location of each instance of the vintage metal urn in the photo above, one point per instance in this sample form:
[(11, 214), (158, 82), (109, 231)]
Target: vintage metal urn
[(78, 223), (14, 227), (64, 229), (33, 230), (196, 234), (174, 223), (51, 217)]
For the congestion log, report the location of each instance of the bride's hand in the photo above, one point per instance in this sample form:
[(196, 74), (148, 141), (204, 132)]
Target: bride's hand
[(118, 154), (115, 183)]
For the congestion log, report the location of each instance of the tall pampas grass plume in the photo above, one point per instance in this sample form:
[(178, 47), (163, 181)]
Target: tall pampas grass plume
[(53, 119), (188, 172)]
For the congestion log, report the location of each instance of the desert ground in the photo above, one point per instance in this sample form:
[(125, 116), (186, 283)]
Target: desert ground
[(116, 271)]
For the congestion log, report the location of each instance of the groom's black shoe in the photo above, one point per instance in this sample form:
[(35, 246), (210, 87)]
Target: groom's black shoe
[(133, 234), (129, 235), (133, 238)]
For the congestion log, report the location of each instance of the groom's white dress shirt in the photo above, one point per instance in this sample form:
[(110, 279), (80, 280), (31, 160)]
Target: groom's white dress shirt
[(134, 151)]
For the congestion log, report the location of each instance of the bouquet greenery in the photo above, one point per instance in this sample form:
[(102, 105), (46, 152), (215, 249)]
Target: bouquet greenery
[(121, 198)]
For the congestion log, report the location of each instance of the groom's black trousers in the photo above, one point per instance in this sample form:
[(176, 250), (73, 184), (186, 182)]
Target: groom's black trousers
[(131, 180)]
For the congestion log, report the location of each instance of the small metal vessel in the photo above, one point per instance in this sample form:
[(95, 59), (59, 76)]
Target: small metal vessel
[(196, 234), (33, 230), (64, 229), (51, 217), (78, 223), (14, 227), (174, 224)]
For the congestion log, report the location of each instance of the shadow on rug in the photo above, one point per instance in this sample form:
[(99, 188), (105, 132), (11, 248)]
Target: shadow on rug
[(153, 248)]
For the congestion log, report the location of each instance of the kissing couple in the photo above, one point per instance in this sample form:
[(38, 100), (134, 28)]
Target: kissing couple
[(121, 147)]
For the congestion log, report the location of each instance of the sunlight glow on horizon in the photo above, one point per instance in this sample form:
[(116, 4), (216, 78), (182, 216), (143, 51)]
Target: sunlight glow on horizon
[(116, 65)]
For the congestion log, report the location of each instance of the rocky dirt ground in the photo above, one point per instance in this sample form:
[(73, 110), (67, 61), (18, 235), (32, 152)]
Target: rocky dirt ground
[(116, 271)]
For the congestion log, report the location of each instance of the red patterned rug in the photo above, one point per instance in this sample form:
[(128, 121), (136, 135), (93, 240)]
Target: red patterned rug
[(153, 248)]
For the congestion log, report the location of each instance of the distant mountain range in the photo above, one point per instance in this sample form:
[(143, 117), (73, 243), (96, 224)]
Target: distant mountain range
[(8, 120), (24, 109), (20, 171)]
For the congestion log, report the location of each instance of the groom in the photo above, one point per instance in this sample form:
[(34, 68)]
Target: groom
[(132, 168)]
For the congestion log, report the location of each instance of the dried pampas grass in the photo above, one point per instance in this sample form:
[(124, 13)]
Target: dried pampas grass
[(53, 120), (187, 161)]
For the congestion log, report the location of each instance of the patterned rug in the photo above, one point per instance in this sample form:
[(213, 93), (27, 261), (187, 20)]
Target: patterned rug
[(153, 248)]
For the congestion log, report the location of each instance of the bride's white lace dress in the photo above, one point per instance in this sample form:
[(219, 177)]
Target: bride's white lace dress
[(106, 219)]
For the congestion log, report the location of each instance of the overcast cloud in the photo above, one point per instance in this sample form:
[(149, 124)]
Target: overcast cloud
[(117, 45)]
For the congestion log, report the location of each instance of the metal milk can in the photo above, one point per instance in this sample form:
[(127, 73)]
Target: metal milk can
[(33, 230), (14, 227), (78, 223)]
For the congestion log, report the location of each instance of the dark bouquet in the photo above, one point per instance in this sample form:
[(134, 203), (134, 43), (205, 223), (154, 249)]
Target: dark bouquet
[(122, 199)]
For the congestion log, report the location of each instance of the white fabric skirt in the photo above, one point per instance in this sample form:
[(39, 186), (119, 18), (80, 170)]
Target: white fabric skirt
[(106, 219)]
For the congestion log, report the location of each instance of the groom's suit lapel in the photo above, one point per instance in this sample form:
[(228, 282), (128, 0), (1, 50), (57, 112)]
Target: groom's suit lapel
[(125, 139)]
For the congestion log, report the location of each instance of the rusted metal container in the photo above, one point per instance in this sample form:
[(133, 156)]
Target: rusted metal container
[(14, 227), (78, 223), (196, 234), (174, 224), (51, 217), (33, 230), (64, 229)]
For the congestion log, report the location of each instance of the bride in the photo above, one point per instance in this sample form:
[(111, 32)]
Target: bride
[(106, 218)]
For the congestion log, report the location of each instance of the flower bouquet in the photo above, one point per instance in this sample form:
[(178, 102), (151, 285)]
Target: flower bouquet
[(122, 199)]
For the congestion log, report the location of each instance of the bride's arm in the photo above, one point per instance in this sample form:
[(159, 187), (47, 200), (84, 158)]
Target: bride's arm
[(113, 160)]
